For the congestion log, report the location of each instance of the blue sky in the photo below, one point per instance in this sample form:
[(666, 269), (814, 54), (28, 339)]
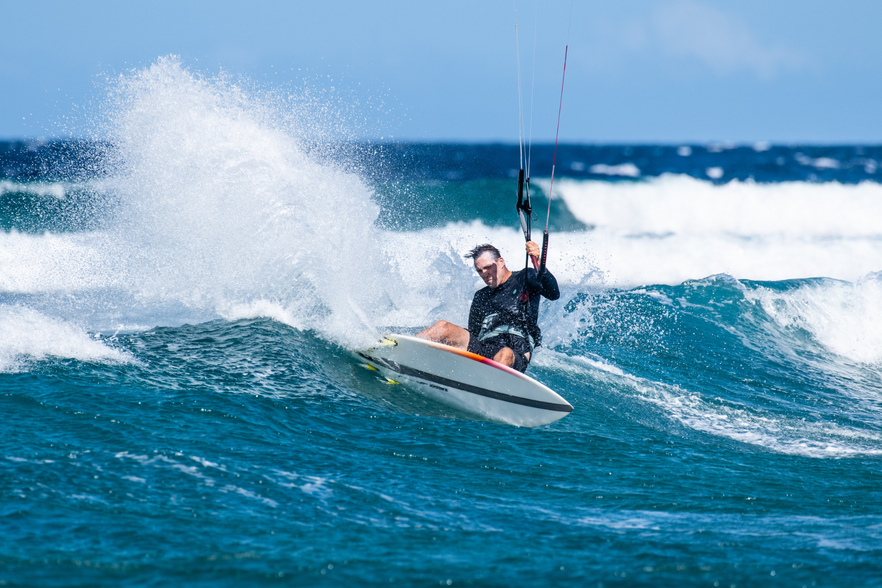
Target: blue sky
[(667, 71)]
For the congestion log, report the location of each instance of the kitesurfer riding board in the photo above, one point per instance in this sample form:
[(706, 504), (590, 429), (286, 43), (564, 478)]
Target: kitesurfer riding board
[(504, 315), (453, 365), (480, 369)]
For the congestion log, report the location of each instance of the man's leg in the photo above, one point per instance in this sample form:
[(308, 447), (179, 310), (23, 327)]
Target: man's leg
[(447, 333), (505, 356)]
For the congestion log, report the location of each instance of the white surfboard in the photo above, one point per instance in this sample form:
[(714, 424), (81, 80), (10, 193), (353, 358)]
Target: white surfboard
[(464, 380)]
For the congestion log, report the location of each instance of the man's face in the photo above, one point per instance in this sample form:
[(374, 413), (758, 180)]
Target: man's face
[(489, 269)]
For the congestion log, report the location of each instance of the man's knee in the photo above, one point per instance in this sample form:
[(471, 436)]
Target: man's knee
[(447, 333), (442, 328), (505, 356)]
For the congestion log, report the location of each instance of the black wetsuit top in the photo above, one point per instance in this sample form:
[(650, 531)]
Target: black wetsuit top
[(511, 305)]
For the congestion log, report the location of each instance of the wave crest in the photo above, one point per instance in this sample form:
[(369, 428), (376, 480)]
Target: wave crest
[(27, 335)]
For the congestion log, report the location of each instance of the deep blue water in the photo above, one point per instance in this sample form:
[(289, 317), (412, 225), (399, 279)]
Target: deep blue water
[(182, 407)]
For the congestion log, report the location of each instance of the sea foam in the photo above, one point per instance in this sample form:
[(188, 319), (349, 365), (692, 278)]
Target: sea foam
[(225, 205), (682, 205), (674, 228), (27, 335), (780, 432)]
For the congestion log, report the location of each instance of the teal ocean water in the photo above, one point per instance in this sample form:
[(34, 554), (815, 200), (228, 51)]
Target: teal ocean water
[(180, 297)]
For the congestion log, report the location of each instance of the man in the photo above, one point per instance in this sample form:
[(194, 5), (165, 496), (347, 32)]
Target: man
[(503, 318)]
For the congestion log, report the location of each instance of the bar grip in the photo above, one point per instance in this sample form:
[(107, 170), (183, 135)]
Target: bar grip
[(544, 252)]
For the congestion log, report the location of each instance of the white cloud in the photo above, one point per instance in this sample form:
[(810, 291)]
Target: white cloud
[(722, 41)]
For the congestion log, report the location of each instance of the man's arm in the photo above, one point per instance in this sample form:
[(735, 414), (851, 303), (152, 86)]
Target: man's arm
[(544, 284)]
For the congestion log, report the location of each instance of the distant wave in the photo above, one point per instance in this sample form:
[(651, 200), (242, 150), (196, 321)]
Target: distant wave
[(54, 189), (623, 169), (681, 204)]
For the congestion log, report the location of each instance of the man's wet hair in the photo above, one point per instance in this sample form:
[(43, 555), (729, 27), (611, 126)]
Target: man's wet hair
[(481, 250)]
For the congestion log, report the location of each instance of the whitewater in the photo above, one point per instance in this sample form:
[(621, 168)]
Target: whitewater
[(181, 295)]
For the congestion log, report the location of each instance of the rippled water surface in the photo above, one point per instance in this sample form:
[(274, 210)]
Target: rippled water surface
[(179, 307)]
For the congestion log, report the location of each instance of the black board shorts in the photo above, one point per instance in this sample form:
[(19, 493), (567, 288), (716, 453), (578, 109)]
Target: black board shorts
[(490, 347)]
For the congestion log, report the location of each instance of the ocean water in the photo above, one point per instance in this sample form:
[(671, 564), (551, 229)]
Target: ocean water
[(181, 293)]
